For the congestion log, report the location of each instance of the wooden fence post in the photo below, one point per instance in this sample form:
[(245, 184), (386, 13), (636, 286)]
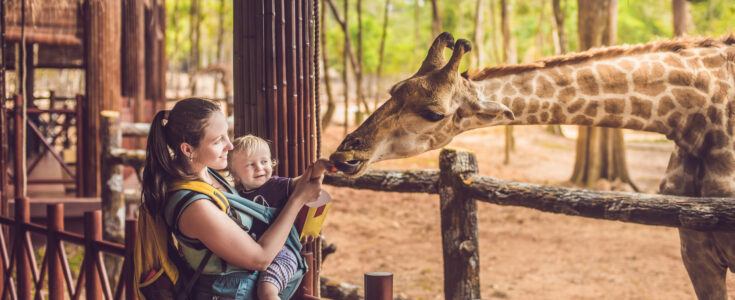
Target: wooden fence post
[(55, 223), (81, 137), (92, 233), (113, 197), (131, 231), (379, 286), (22, 262), (459, 226)]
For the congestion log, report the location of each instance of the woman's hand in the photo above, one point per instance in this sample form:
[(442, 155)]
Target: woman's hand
[(308, 187)]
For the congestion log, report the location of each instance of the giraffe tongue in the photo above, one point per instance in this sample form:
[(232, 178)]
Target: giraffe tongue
[(348, 167)]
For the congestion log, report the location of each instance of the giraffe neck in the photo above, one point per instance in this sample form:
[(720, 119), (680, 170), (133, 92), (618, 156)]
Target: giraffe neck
[(655, 92)]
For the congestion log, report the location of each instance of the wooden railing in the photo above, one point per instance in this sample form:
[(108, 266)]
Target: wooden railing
[(92, 281), (459, 186)]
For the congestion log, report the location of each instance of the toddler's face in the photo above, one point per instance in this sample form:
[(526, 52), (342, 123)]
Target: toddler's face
[(252, 170)]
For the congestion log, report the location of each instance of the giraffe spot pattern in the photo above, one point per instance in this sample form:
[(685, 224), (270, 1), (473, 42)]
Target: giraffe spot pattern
[(611, 121), (715, 61), (613, 80), (694, 63), (576, 105), (587, 82), (561, 76), (591, 109), (544, 89), (688, 98), (582, 120), (509, 90), (517, 106), (720, 93), (693, 129), (683, 78), (665, 105), (702, 82), (626, 65), (656, 126), (545, 105), (714, 140), (673, 61), (720, 163), (674, 119), (533, 107), (648, 79), (557, 114), (567, 94), (523, 82), (634, 124), (532, 120), (715, 115), (544, 117), (614, 105), (506, 101), (640, 107)]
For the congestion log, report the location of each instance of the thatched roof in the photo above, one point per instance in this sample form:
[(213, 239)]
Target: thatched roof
[(57, 22)]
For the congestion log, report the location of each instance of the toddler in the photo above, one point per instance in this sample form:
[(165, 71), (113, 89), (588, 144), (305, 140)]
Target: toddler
[(251, 166)]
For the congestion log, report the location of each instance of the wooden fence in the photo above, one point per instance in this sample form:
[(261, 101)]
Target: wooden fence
[(459, 188), (92, 282)]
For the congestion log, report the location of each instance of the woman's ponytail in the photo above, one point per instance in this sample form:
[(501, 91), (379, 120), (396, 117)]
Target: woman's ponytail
[(158, 164)]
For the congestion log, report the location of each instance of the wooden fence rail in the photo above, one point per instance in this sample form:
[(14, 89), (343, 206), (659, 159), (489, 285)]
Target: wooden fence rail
[(92, 280), (459, 186)]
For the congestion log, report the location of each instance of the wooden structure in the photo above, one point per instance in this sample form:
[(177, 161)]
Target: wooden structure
[(459, 186), (87, 36), (274, 92)]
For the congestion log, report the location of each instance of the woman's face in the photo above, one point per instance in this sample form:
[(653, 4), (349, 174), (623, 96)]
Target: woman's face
[(213, 148)]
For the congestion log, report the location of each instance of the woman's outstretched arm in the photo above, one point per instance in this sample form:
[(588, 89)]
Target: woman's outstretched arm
[(202, 220)]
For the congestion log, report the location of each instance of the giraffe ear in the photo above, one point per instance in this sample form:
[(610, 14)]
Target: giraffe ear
[(492, 110)]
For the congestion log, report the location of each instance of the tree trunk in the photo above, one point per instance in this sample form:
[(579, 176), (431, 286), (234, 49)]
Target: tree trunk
[(681, 16), (600, 151), (220, 42), (194, 33), (381, 55), (478, 36), (510, 57), (560, 47), (494, 32), (329, 112), (436, 21), (345, 52), (359, 92)]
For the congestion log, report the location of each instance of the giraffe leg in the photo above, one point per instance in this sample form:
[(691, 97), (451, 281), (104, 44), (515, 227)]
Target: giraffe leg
[(706, 269), (699, 250)]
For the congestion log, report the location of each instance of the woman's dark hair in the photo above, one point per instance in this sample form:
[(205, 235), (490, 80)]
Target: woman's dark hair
[(164, 161)]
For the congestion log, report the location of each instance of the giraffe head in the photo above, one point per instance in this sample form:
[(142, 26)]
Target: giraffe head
[(424, 113)]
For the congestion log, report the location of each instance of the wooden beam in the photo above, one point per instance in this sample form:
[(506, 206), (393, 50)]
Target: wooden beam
[(102, 36)]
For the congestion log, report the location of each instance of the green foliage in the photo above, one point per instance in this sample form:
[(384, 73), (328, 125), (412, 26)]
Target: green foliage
[(409, 30)]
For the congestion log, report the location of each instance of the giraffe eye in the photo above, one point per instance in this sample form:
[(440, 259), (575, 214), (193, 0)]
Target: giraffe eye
[(431, 116)]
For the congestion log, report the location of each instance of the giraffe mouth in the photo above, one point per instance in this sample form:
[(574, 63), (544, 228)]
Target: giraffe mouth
[(349, 167)]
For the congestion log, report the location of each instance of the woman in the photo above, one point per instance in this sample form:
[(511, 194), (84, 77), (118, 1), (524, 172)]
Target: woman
[(188, 143)]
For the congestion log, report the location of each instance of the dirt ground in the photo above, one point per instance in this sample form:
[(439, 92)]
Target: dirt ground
[(524, 253)]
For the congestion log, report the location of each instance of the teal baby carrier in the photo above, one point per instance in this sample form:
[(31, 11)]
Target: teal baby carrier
[(205, 274)]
